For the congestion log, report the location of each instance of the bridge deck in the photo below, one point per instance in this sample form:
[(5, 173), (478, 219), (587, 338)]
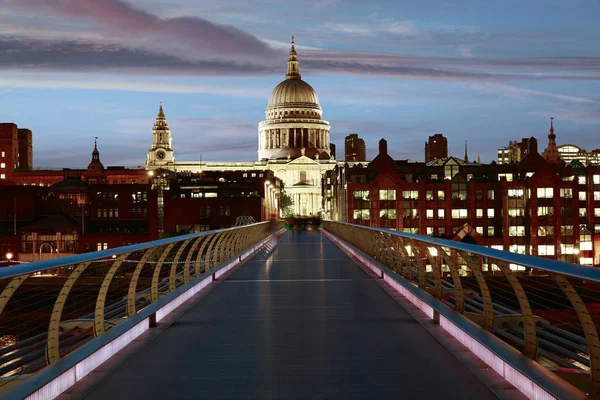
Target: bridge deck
[(302, 322)]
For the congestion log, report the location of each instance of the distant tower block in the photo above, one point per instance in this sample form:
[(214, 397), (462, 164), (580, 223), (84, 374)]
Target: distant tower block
[(354, 148), (436, 148)]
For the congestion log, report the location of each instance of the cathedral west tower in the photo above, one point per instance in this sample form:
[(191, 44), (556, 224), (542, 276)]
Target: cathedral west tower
[(293, 126), (161, 152)]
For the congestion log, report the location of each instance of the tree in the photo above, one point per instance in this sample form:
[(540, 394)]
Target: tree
[(286, 203)]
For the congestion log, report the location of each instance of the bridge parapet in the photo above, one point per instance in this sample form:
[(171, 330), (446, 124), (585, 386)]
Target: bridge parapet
[(548, 310), (52, 308)]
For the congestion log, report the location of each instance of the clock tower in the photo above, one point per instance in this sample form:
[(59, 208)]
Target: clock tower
[(161, 153)]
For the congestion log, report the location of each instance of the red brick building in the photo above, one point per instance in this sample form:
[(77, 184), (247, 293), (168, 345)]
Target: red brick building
[(215, 199), (74, 217), (46, 214), (531, 207)]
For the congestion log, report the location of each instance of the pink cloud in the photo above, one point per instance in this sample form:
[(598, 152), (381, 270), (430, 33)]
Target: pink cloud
[(191, 37)]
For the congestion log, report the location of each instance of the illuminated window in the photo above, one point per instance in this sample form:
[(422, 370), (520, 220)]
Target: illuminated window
[(429, 195), (441, 213), (545, 231), (2, 165), (516, 212), (387, 213), (585, 238), (430, 231), (596, 178), (566, 230), (491, 232), (410, 194), (516, 230), (458, 213), (411, 230), (567, 248), (429, 213), (545, 250), (516, 248), (2, 176), (490, 213), (490, 194), (387, 195), (361, 195), (3, 154), (479, 230), (479, 213), (441, 195), (545, 193), (582, 212), (566, 193), (515, 193), (545, 211), (410, 213), (362, 214), (582, 196)]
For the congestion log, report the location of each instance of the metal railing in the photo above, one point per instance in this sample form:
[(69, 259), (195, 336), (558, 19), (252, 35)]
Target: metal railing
[(548, 310), (50, 308)]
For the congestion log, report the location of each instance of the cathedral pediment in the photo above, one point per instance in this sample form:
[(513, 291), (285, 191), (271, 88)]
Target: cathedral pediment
[(303, 160)]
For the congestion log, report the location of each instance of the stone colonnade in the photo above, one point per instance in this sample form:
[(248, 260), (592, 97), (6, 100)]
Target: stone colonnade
[(306, 203), (294, 138)]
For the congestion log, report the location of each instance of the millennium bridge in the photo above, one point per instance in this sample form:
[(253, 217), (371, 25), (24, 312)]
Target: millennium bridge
[(264, 311)]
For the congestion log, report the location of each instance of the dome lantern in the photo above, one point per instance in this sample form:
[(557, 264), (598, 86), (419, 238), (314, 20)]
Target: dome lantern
[(293, 71)]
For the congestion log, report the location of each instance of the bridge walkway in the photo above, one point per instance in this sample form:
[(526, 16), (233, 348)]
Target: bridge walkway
[(300, 322)]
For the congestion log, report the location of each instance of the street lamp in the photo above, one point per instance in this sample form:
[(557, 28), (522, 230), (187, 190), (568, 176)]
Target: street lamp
[(9, 256)]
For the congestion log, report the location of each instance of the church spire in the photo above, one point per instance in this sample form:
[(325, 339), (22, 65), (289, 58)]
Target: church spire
[(551, 152), (95, 152), (161, 120), (161, 113), (466, 154), (293, 71), (95, 166)]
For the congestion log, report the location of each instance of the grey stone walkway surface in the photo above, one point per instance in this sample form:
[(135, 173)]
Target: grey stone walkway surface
[(303, 322)]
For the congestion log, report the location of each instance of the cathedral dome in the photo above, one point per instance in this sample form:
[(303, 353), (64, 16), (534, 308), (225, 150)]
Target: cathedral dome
[(293, 126), (293, 93)]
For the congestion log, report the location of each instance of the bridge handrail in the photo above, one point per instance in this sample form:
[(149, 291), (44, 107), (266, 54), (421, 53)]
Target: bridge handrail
[(539, 263), (554, 305), (40, 266)]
